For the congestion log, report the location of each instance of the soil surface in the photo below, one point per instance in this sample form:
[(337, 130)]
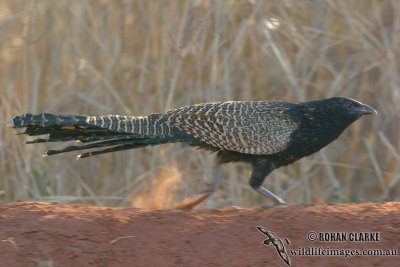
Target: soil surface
[(54, 234)]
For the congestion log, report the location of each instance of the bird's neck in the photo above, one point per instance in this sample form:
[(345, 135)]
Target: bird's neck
[(317, 129)]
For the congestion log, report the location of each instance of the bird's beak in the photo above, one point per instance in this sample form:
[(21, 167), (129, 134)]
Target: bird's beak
[(367, 110)]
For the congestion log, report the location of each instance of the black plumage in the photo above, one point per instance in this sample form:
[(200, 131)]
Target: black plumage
[(267, 135)]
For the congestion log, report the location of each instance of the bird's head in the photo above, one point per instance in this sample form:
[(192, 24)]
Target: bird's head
[(337, 112), (347, 108)]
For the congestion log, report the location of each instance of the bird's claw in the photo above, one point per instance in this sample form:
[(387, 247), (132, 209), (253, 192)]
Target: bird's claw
[(276, 205)]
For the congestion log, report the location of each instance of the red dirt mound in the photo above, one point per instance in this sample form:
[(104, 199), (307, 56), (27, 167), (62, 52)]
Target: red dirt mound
[(53, 234)]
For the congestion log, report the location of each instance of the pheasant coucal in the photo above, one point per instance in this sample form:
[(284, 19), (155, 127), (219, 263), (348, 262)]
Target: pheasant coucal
[(267, 135)]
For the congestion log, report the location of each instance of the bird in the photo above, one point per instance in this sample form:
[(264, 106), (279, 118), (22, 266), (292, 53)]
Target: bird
[(265, 134)]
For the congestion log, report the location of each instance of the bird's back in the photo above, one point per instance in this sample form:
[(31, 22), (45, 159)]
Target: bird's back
[(247, 127)]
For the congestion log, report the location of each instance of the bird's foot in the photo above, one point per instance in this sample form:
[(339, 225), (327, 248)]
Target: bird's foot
[(191, 203), (266, 193), (276, 205)]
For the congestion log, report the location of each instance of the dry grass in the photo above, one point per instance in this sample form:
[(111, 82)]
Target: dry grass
[(139, 57)]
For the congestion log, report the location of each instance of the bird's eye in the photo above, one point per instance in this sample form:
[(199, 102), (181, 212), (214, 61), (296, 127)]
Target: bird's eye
[(349, 106)]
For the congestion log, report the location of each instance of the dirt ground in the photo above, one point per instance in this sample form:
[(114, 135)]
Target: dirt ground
[(54, 234)]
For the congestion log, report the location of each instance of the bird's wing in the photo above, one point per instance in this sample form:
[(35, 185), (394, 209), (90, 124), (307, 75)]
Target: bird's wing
[(248, 127)]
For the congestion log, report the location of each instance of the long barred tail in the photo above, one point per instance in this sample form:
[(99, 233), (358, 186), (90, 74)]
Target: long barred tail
[(112, 131), (148, 126)]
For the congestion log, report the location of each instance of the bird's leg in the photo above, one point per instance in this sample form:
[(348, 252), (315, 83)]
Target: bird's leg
[(261, 168), (192, 203), (217, 178), (265, 192)]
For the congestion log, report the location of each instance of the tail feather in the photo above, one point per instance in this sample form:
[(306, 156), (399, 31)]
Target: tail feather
[(83, 139), (146, 126), (88, 146), (135, 143), (112, 131), (127, 146), (108, 150), (46, 119)]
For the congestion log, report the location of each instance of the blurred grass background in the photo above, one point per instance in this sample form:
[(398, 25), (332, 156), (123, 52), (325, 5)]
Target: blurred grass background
[(137, 57)]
